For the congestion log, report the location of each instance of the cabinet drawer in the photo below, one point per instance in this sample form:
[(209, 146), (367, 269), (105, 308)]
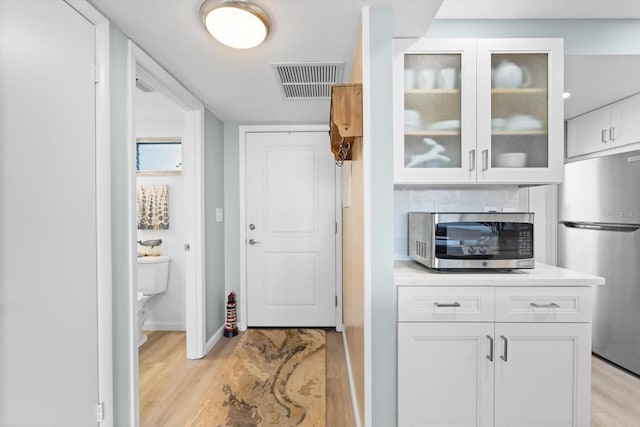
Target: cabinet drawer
[(445, 304), (544, 304)]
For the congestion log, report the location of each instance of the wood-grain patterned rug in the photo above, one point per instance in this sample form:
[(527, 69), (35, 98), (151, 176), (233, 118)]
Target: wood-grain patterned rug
[(274, 377)]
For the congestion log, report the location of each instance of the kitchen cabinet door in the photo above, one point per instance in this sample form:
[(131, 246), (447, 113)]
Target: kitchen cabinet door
[(589, 132), (520, 114), (625, 126), (434, 107), (445, 375), (542, 374), (478, 111)]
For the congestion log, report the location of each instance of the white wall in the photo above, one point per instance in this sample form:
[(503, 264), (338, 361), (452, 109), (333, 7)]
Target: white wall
[(157, 116), (379, 291), (121, 211), (214, 230)]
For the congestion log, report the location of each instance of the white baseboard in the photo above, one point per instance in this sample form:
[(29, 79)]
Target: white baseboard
[(164, 326), (352, 387), (214, 339)]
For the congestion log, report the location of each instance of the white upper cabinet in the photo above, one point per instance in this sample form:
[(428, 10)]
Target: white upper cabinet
[(520, 110), (478, 111), (611, 126), (589, 132), (435, 118), (625, 126)]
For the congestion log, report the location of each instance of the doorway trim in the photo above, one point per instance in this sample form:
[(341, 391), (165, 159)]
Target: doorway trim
[(242, 151), (193, 156), (103, 207)]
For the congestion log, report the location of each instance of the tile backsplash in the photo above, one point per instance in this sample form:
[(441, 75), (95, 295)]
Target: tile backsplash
[(447, 200)]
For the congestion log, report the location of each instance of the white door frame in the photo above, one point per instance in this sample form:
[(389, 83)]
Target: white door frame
[(242, 150), (103, 208), (193, 157)]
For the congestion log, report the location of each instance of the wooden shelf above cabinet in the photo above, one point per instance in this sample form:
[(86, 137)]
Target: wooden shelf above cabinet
[(346, 116)]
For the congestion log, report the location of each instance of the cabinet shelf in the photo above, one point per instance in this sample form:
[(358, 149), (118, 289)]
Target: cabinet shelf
[(432, 133), (519, 132), (518, 91), (432, 92)]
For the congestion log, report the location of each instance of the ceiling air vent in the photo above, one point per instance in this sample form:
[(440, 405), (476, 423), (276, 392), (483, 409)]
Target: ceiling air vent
[(308, 80)]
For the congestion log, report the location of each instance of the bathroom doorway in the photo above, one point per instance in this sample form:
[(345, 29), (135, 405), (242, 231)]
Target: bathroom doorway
[(161, 213), (178, 120)]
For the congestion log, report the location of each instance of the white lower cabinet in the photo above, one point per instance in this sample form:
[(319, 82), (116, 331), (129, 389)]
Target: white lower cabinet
[(546, 377), (534, 373), (444, 376)]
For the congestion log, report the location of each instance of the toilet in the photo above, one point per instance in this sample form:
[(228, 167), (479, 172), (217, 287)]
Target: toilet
[(153, 276)]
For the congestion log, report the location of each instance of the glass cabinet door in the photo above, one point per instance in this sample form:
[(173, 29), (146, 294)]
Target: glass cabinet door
[(519, 115), (478, 110), (434, 124), (432, 111), (519, 110)]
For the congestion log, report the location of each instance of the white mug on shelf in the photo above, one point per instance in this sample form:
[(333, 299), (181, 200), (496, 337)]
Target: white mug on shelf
[(508, 75), (426, 79), (447, 78), (409, 79)]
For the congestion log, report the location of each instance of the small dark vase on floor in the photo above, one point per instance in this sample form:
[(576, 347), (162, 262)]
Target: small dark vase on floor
[(231, 325)]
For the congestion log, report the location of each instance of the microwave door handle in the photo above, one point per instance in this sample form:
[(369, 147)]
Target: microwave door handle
[(629, 228)]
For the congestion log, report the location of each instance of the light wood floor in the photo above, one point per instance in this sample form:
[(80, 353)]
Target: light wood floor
[(615, 396), (172, 387)]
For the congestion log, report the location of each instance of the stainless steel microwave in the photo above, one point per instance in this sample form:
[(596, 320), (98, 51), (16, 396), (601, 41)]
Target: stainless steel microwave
[(471, 240)]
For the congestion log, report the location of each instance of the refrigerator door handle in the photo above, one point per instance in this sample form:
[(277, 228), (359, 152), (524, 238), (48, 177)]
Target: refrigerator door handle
[(629, 228)]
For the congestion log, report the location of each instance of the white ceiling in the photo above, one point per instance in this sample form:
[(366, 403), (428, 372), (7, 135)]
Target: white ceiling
[(240, 85), (539, 9)]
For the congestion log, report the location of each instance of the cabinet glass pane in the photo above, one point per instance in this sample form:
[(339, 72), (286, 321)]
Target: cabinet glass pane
[(519, 110), (432, 111)]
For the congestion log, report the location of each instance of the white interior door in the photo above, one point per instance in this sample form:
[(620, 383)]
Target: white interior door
[(291, 226), (48, 243)]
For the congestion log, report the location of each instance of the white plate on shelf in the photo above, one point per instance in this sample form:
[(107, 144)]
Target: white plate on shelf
[(445, 125), (523, 122), (498, 123)]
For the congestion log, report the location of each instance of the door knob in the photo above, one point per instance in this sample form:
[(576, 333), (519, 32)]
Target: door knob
[(253, 242)]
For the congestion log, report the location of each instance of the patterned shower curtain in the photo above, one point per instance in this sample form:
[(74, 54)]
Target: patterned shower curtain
[(153, 207)]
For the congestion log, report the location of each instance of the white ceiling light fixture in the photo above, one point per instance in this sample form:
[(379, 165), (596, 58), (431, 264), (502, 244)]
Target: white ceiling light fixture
[(240, 24)]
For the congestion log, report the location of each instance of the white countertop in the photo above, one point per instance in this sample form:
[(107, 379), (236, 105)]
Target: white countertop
[(411, 273)]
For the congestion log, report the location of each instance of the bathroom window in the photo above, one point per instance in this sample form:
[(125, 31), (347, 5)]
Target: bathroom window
[(158, 155)]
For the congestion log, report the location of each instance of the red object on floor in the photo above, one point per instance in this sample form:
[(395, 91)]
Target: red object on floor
[(231, 325)]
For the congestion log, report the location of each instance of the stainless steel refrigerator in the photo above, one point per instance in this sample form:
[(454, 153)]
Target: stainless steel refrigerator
[(599, 234)]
